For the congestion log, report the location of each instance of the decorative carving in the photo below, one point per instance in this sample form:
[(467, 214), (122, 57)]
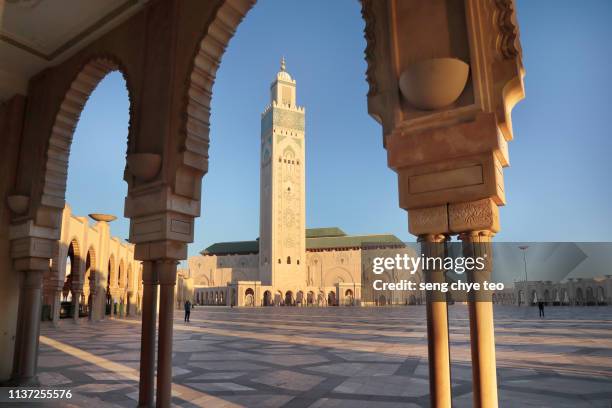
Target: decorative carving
[(206, 61), (432, 220), (507, 43), (474, 216), (367, 13)]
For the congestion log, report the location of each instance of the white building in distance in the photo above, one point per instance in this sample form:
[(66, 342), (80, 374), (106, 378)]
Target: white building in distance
[(289, 264)]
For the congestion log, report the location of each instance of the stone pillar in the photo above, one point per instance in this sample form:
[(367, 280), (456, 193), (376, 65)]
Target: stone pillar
[(26, 351), (147, 341), (482, 334), (57, 304), (112, 313), (91, 301), (438, 351), (167, 280), (76, 301)]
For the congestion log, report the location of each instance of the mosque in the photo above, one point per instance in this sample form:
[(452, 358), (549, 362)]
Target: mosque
[(289, 264)]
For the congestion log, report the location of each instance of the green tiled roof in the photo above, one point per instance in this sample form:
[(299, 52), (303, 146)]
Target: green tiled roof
[(324, 232), (316, 238), (233, 248), (351, 241)]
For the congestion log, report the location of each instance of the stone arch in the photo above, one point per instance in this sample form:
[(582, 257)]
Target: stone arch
[(335, 275), (349, 297), (58, 149), (249, 297), (601, 295), (331, 298), (521, 297), (73, 278), (129, 286), (267, 300), (74, 253), (590, 296), (278, 297), (121, 274), (207, 59), (289, 298), (579, 296), (112, 270), (205, 63)]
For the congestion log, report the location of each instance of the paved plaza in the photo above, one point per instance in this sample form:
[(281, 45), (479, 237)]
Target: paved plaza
[(335, 357)]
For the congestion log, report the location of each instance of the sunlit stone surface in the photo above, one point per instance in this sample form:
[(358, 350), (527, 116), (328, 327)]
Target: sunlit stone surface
[(337, 357)]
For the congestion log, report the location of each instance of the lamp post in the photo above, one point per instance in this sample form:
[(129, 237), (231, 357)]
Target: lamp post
[(524, 249)]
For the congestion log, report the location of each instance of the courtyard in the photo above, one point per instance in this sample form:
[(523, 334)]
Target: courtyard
[(335, 357)]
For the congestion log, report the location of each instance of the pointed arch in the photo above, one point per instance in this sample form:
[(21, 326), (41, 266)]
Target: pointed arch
[(74, 253), (69, 111), (111, 273), (205, 63), (337, 275), (130, 277), (121, 274)]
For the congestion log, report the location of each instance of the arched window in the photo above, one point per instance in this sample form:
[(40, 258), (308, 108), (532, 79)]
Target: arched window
[(298, 261), (279, 261), (288, 260)]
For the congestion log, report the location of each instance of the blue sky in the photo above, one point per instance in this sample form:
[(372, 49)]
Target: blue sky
[(558, 186)]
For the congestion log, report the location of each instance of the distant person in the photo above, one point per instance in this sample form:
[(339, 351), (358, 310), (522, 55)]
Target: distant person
[(541, 308), (187, 310)]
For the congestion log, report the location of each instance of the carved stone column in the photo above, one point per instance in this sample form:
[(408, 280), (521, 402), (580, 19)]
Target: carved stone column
[(166, 271), (57, 305), (438, 351), (91, 301), (76, 301), (147, 341), (479, 220), (482, 333), (31, 249), (26, 351)]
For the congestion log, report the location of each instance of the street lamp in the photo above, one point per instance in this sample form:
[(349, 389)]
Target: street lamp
[(524, 249)]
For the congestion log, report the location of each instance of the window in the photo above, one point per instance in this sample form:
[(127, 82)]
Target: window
[(279, 261), (288, 260), (298, 261)]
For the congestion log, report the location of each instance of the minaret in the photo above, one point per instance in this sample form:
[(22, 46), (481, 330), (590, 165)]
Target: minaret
[(282, 222)]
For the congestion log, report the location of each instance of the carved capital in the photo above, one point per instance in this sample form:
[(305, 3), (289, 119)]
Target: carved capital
[(474, 216), (431, 220), (160, 250)]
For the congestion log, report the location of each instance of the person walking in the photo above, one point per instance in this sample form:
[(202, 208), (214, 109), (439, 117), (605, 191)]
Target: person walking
[(541, 308), (187, 310)]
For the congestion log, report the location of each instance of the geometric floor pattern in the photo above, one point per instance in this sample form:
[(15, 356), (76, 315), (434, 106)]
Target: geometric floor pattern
[(335, 357)]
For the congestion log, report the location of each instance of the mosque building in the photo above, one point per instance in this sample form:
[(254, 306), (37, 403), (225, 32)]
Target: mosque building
[(289, 264)]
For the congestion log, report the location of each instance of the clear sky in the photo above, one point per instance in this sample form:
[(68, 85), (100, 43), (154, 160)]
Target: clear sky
[(558, 186)]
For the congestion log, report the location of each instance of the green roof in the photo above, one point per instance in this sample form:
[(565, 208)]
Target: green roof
[(352, 241), (324, 232), (232, 248), (316, 238)]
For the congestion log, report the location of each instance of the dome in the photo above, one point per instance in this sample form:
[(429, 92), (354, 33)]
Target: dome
[(283, 74)]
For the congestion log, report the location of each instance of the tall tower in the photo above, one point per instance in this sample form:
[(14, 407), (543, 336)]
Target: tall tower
[(282, 221)]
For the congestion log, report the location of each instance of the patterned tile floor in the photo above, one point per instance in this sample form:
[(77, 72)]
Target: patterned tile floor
[(335, 357)]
